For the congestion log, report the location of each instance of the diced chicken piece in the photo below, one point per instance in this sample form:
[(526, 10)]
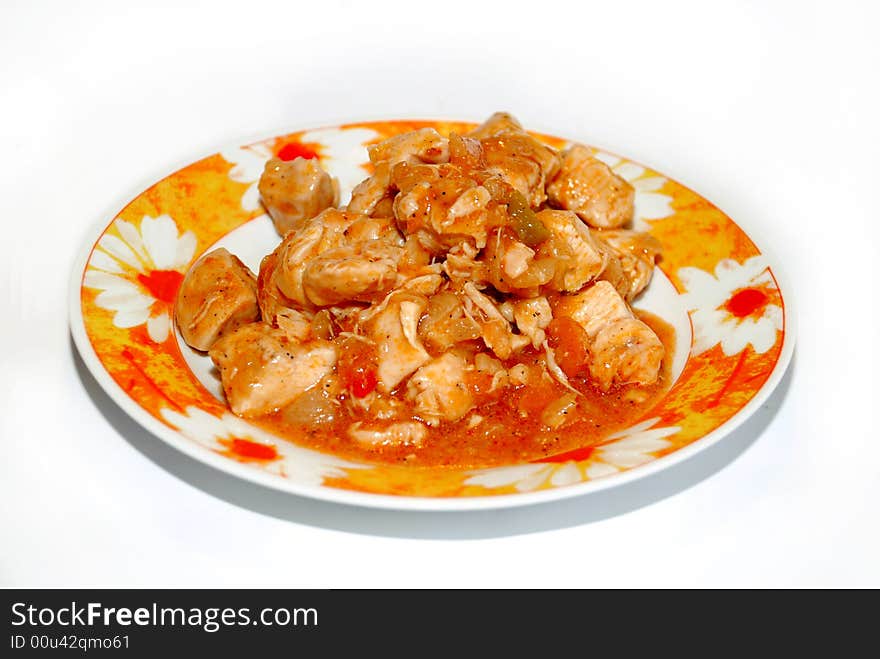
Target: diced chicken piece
[(362, 272), (461, 265), (444, 203), (494, 327), (512, 267), (498, 124), (423, 145), (415, 257), (291, 254), (532, 318), (438, 390), (275, 308), (594, 307), (404, 433), (579, 258), (424, 285), (263, 370), (337, 256), (522, 162), (365, 228), (472, 200), (394, 329), (637, 253), (506, 309), (369, 193), (218, 295), (339, 227), (622, 349), (270, 299), (625, 351), (517, 259), (296, 324), (445, 323), (295, 191), (587, 186)]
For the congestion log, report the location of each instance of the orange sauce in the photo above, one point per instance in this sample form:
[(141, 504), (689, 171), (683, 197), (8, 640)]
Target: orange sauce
[(511, 431)]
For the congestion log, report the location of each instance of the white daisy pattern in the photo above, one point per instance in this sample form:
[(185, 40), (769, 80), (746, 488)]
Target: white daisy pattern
[(139, 272), (649, 203), (248, 163), (231, 435), (734, 307), (622, 450), (340, 151)]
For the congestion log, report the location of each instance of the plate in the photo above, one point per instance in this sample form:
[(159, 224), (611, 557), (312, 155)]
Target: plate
[(730, 308)]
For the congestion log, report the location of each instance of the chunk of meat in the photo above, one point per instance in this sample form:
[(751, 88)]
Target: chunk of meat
[(275, 308), (338, 256), (372, 191), (423, 145), (594, 307), (365, 228), (290, 255), (461, 265), (218, 295), (625, 351), (637, 253), (394, 329), (444, 203), (438, 390), (498, 124), (578, 257), (425, 284), (622, 349), (522, 162), (263, 370), (404, 433), (295, 191), (587, 186), (495, 329), (532, 318), (512, 267), (362, 272)]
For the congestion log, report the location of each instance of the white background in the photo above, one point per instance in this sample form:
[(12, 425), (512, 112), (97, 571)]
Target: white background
[(768, 109)]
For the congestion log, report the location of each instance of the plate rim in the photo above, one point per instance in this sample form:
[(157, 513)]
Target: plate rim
[(404, 502)]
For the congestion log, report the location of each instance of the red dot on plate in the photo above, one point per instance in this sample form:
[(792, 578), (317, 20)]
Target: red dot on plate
[(162, 284), (745, 302), (293, 150), (247, 449)]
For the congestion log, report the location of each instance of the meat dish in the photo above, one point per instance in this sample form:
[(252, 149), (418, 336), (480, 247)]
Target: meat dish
[(469, 306)]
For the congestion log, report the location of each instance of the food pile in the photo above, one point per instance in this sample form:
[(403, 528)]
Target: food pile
[(465, 269)]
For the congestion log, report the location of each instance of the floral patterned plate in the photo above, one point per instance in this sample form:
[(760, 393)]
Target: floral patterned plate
[(732, 316)]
